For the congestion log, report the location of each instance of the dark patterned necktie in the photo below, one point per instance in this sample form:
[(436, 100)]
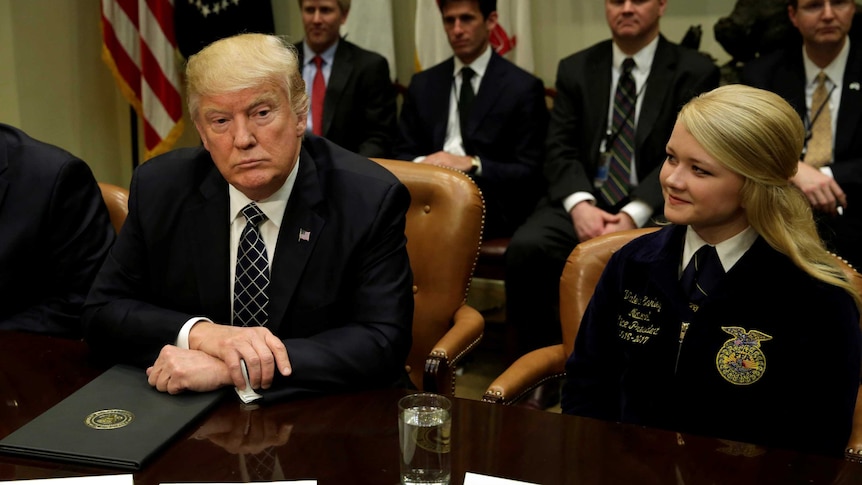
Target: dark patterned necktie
[(465, 101), (252, 273), (618, 183), (702, 274)]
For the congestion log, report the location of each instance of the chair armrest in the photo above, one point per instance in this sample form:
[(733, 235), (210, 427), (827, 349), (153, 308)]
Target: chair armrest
[(526, 373), (854, 444), (466, 332)]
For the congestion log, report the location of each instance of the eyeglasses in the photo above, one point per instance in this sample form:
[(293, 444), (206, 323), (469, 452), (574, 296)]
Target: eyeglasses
[(816, 7)]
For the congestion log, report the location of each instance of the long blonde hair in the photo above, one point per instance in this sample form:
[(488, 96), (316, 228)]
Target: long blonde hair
[(758, 135)]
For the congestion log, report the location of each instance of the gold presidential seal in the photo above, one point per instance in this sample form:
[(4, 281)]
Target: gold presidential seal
[(109, 419), (740, 360)]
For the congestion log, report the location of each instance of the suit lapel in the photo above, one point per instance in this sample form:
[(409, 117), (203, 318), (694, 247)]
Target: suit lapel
[(598, 93), (342, 67), (439, 99), (297, 237), (850, 109), (659, 84), (208, 229), (492, 85), (790, 82)]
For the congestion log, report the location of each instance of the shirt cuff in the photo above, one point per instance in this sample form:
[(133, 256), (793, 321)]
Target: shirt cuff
[(246, 395), (639, 211), (183, 337), (571, 201)]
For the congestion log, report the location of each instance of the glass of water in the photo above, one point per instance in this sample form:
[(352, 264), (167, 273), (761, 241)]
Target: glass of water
[(424, 433)]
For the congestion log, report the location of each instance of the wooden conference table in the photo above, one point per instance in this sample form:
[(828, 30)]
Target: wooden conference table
[(353, 439)]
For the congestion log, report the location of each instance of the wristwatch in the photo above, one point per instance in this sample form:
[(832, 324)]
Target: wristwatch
[(474, 164)]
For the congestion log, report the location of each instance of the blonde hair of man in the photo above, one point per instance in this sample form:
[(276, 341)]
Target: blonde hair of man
[(758, 135), (245, 61)]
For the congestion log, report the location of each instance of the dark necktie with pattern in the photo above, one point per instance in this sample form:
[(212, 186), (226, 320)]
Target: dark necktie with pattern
[(465, 101), (702, 274), (622, 140), (252, 272)]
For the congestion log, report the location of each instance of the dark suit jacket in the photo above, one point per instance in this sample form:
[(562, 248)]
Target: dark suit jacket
[(341, 301), (783, 73), (579, 119), (628, 364), (506, 131), (54, 234), (359, 108)]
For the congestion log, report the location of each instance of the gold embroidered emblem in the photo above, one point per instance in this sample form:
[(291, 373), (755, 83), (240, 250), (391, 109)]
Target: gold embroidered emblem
[(109, 419), (740, 360)]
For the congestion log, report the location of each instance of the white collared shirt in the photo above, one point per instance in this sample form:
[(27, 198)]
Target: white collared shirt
[(729, 251)]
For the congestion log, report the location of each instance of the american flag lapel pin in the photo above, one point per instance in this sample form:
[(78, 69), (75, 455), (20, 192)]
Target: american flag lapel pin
[(854, 86), (303, 235)]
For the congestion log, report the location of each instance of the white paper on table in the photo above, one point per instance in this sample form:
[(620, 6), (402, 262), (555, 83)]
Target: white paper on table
[(476, 479), (125, 479)]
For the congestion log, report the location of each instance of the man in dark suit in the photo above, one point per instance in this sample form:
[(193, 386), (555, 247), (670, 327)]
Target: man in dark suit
[(260, 261), (54, 234), (359, 105), (831, 181), (499, 142), (582, 138)]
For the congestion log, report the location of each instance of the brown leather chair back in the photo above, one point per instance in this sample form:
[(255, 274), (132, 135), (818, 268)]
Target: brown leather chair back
[(117, 200), (444, 231), (581, 274)]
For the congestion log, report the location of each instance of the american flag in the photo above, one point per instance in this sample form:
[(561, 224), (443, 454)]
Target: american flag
[(138, 45), (304, 235)]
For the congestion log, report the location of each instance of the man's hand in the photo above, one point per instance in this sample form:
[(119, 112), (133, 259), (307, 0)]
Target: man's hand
[(823, 192), (590, 221), (177, 370), (444, 159), (262, 351), (623, 223)]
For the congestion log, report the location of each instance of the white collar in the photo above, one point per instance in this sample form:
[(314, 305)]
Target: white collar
[(729, 251)]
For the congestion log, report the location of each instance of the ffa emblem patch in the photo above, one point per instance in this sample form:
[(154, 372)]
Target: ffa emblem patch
[(740, 360)]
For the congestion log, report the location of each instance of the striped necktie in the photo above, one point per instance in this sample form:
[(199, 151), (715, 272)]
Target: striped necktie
[(618, 183)]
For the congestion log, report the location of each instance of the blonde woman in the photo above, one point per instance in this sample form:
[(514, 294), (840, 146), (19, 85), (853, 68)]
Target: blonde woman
[(733, 321)]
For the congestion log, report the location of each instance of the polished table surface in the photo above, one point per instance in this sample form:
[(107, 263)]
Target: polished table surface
[(353, 439)]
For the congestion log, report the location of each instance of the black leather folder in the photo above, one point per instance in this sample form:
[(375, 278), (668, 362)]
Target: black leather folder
[(117, 420)]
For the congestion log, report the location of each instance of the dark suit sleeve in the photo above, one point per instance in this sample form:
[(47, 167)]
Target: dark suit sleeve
[(522, 138), (369, 350), (76, 237), (566, 158), (415, 131), (593, 371), (380, 107)]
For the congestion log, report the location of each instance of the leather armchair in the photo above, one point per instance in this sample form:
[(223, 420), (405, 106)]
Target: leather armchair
[(444, 233), (580, 275), (117, 200)]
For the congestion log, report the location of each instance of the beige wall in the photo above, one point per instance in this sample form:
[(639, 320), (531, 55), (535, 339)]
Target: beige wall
[(54, 85)]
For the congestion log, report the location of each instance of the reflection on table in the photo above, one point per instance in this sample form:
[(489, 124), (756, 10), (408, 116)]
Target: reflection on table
[(353, 439)]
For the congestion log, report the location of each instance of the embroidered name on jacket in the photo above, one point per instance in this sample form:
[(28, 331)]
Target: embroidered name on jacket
[(740, 360), (635, 323)]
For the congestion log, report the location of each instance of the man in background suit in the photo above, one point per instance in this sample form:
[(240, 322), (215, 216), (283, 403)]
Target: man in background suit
[(54, 234), (258, 250), (499, 143), (835, 179), (581, 133), (359, 106)]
